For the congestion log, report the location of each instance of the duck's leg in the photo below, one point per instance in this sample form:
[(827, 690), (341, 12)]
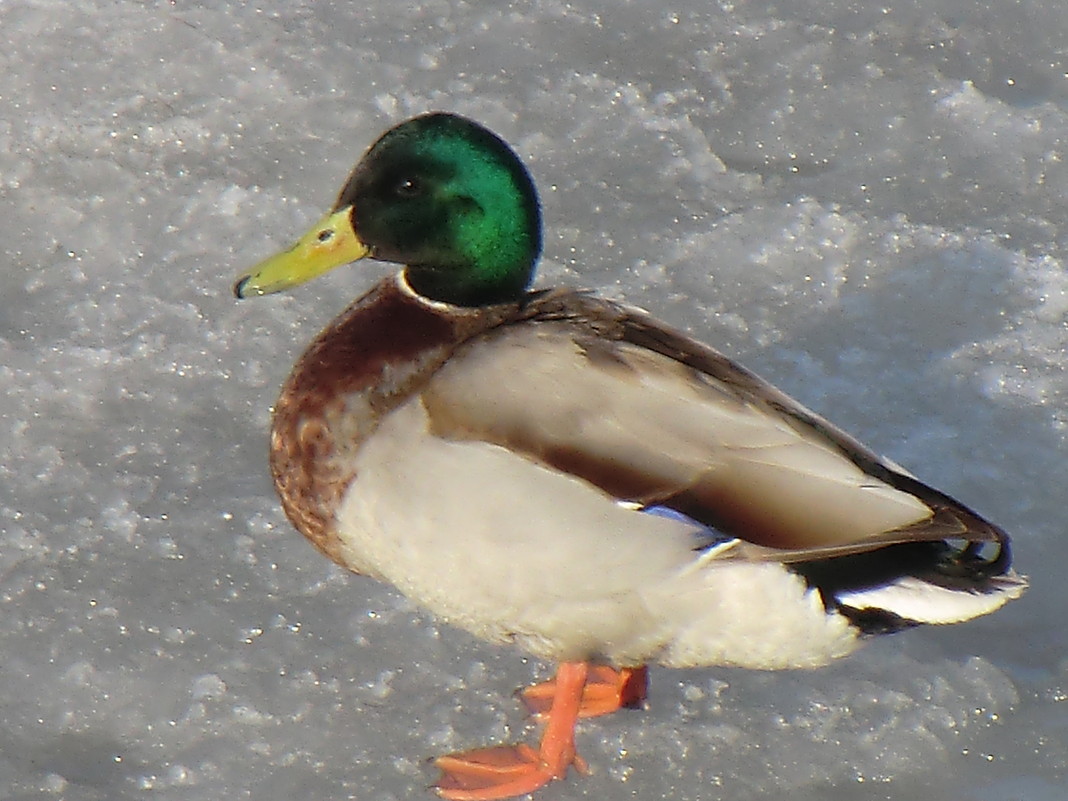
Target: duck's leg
[(607, 690), (506, 771)]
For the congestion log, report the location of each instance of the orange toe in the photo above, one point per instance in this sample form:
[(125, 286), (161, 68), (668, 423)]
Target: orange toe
[(495, 773), (607, 690), (490, 773)]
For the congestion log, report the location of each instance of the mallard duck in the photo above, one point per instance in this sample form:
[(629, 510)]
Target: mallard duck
[(567, 474)]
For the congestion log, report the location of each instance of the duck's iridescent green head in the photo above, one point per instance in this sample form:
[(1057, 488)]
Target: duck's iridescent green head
[(440, 194)]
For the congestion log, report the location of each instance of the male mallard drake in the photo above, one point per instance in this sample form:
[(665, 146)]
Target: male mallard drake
[(568, 474)]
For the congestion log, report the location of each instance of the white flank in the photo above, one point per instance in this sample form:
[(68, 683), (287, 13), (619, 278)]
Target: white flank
[(516, 552)]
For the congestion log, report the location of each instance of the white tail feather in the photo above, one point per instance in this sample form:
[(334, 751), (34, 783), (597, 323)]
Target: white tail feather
[(914, 599)]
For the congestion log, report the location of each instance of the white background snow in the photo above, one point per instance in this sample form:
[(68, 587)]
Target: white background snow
[(864, 202)]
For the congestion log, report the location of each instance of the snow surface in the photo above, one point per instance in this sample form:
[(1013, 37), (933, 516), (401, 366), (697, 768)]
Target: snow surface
[(862, 201)]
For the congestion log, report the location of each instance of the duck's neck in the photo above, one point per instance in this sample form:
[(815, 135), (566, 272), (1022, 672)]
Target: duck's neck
[(485, 288)]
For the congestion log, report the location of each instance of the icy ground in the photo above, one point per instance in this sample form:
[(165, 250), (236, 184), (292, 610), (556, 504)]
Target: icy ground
[(863, 201)]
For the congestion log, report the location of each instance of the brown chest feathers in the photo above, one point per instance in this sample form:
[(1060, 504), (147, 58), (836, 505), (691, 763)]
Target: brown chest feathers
[(366, 362)]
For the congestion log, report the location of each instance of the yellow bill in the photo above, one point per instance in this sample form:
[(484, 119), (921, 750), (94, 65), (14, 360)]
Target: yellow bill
[(330, 243)]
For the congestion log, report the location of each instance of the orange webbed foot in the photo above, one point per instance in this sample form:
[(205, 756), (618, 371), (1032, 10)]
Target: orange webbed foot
[(607, 690), (488, 774), (495, 773)]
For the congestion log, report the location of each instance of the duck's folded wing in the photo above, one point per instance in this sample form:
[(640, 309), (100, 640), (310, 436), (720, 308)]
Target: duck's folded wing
[(606, 393)]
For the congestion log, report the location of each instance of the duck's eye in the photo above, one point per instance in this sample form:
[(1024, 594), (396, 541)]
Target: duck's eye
[(408, 187), (325, 235)]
